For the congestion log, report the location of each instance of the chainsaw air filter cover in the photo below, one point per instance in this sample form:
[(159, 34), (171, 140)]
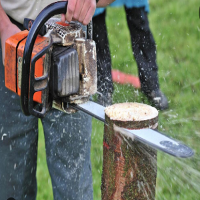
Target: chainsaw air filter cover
[(64, 72)]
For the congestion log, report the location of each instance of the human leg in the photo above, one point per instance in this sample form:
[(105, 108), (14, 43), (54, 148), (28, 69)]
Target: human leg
[(68, 141), (18, 147), (144, 49), (104, 82)]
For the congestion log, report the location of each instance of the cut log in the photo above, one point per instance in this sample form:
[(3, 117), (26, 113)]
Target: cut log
[(129, 167)]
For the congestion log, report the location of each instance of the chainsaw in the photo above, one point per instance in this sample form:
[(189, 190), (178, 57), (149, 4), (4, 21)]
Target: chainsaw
[(53, 65)]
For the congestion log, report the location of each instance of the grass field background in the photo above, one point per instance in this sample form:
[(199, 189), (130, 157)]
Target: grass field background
[(176, 29)]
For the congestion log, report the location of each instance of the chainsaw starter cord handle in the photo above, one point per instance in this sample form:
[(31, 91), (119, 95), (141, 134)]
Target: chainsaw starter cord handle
[(45, 14)]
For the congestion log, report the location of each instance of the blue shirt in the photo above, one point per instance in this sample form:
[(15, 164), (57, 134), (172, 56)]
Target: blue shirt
[(127, 3)]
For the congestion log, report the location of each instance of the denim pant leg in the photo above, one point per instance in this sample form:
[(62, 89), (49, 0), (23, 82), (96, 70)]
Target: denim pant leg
[(68, 141), (144, 48), (18, 147)]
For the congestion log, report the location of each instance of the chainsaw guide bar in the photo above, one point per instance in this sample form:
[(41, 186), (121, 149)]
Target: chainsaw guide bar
[(147, 136)]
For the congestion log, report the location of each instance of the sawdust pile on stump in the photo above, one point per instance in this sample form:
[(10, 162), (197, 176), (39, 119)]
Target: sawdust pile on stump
[(131, 112)]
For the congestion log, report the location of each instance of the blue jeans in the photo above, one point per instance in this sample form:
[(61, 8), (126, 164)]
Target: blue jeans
[(67, 140)]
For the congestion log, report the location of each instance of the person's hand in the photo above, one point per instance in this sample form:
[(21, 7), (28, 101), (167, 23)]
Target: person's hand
[(80, 10), (7, 32)]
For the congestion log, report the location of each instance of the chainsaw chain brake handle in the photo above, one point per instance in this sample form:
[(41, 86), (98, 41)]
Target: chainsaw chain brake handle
[(39, 83)]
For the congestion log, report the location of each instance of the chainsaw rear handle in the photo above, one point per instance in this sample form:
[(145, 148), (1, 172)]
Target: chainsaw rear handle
[(48, 12)]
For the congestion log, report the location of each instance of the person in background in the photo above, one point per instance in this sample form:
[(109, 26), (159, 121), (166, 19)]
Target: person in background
[(144, 51), (67, 137)]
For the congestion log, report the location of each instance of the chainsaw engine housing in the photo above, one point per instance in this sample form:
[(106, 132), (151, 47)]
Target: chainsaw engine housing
[(63, 65)]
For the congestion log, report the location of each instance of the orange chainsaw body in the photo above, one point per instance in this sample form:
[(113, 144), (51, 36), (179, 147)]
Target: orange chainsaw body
[(14, 49), (53, 65), (59, 68)]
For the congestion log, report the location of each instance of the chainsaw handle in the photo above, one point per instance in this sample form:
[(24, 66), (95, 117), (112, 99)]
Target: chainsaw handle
[(45, 14)]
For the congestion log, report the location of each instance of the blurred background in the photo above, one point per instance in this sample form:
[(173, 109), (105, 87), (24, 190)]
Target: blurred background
[(176, 29)]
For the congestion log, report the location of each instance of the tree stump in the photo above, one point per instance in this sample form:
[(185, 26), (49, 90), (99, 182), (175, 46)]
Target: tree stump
[(129, 167)]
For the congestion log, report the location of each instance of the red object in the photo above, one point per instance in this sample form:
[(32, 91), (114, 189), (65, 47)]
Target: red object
[(122, 78), (62, 23)]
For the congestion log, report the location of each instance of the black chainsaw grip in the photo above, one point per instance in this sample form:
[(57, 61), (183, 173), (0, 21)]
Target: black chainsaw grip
[(48, 12)]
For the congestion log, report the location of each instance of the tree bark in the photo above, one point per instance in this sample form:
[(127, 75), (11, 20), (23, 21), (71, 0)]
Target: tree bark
[(129, 167)]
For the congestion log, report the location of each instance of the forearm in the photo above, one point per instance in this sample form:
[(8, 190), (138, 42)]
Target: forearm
[(7, 29), (104, 3), (5, 21)]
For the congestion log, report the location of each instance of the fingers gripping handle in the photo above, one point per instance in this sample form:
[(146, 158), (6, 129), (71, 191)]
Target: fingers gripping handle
[(46, 13)]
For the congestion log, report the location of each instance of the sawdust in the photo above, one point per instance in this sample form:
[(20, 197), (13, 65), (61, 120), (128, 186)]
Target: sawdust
[(131, 112)]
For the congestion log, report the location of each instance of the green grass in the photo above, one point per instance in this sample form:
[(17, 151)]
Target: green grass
[(176, 29)]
